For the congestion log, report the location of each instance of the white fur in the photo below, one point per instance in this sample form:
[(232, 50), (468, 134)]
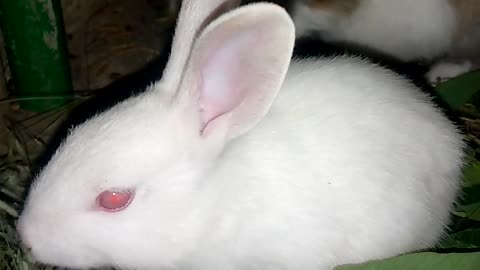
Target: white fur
[(462, 58), (445, 70), (193, 16), (406, 29), (351, 163)]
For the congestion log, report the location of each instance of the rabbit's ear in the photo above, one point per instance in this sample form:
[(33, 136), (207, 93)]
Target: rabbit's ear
[(237, 66), (194, 16)]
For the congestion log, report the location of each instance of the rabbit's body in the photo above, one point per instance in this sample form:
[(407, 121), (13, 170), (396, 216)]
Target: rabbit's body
[(214, 168), (299, 198)]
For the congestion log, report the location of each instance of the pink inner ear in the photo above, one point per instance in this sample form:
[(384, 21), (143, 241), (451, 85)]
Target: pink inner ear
[(224, 75), (237, 67)]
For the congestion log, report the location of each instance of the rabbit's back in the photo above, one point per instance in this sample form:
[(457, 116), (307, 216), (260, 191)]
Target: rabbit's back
[(351, 163)]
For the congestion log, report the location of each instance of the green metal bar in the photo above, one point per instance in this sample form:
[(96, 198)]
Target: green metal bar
[(37, 53)]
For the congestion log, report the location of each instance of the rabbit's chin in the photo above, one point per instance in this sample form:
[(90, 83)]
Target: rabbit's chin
[(95, 251), (51, 247)]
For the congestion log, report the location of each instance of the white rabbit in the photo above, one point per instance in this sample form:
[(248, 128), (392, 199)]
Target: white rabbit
[(211, 169), (409, 29)]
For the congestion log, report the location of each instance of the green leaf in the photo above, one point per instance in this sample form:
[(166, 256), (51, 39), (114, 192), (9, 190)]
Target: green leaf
[(422, 261), (465, 239), (472, 211), (471, 174), (460, 90), (470, 195)]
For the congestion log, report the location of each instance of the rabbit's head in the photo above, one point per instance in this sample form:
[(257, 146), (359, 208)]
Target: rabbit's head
[(126, 188)]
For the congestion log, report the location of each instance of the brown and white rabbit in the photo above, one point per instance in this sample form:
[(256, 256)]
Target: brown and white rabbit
[(443, 32), (239, 158)]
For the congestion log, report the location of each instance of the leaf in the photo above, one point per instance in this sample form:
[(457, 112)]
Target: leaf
[(472, 211), (422, 261), (465, 239), (460, 90), (470, 195), (471, 174)]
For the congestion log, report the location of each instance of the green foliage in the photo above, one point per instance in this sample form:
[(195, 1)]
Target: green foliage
[(467, 239), (458, 91), (472, 174), (423, 261)]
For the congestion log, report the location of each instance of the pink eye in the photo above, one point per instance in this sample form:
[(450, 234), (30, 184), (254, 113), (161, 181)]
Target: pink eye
[(115, 200)]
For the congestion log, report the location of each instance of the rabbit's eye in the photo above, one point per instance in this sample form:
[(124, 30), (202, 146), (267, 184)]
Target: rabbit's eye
[(115, 200)]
